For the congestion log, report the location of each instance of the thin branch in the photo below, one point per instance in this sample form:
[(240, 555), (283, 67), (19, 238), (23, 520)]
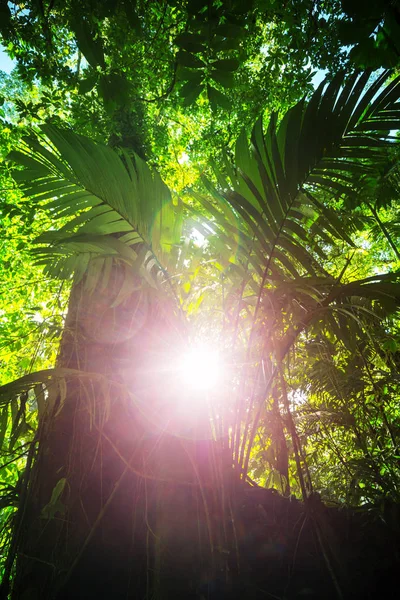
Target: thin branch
[(167, 91), (384, 230)]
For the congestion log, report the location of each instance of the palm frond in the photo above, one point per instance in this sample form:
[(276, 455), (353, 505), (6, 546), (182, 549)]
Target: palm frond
[(321, 149), (110, 206), (49, 388)]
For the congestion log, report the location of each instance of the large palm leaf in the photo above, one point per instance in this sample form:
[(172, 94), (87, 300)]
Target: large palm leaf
[(109, 206), (321, 149), (276, 216)]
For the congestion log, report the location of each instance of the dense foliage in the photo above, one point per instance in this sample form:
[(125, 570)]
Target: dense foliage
[(178, 148)]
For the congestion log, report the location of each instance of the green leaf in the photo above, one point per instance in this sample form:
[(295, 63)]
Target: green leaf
[(115, 91), (86, 85), (192, 92), (226, 64), (185, 74), (222, 45), (5, 19), (133, 18), (187, 89), (224, 78), (184, 38), (351, 32), (190, 42), (55, 505), (230, 31), (365, 102), (3, 424), (189, 60), (216, 98), (89, 42)]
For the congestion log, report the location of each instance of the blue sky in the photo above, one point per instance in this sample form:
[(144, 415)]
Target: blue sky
[(6, 64), (318, 77)]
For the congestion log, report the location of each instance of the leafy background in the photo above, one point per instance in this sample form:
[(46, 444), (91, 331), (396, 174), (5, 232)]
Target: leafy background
[(302, 290)]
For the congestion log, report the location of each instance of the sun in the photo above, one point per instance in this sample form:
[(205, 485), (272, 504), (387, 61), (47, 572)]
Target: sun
[(201, 368), (186, 395)]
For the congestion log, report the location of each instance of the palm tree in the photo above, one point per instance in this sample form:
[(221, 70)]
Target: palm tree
[(114, 502), (325, 153)]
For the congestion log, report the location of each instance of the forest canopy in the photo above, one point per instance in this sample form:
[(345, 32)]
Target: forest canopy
[(220, 175)]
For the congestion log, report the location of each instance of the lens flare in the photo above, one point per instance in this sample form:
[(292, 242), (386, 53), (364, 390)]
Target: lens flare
[(201, 368)]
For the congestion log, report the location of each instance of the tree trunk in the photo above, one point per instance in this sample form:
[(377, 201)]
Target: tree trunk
[(139, 494)]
